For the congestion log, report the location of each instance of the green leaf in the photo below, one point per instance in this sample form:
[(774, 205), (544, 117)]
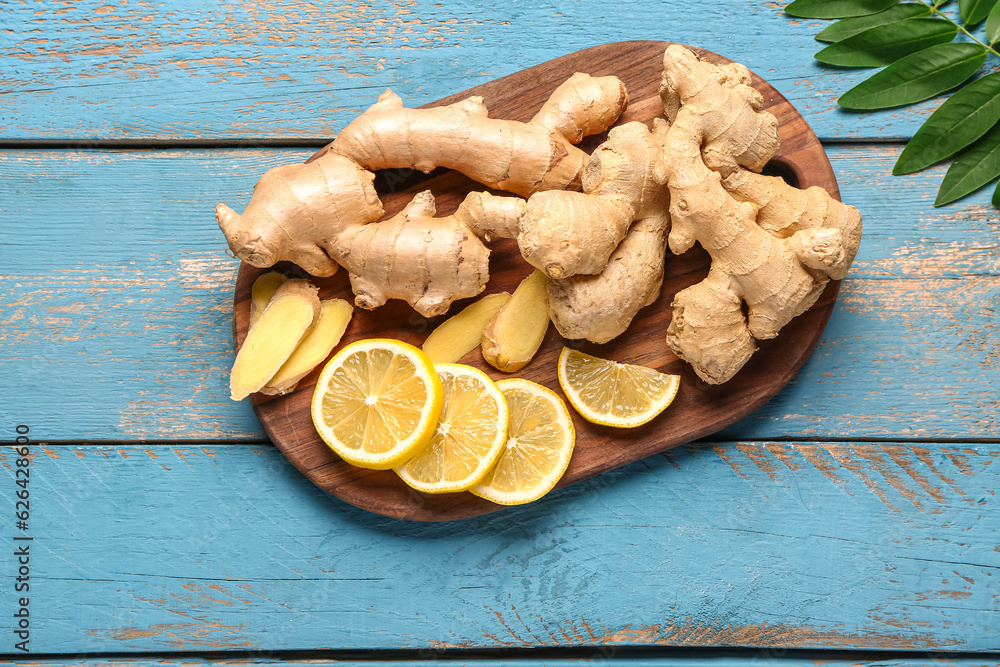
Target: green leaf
[(850, 27), (974, 11), (963, 118), (973, 168), (996, 196), (993, 25), (916, 77), (885, 44), (836, 9)]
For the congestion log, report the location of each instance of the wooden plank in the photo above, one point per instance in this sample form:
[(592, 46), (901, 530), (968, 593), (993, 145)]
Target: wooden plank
[(209, 547), (92, 70), (116, 289), (604, 657)]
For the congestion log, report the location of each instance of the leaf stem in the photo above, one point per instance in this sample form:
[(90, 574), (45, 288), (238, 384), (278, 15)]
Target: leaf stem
[(934, 9)]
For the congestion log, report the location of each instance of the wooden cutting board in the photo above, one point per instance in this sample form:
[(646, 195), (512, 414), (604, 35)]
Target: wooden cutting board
[(699, 409)]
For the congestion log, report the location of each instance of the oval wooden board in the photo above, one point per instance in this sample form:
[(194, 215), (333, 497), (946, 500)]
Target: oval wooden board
[(699, 409)]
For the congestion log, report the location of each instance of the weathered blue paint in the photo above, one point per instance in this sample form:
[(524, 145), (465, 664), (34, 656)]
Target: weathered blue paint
[(115, 325), (606, 657), (204, 547), (95, 70), (115, 303)]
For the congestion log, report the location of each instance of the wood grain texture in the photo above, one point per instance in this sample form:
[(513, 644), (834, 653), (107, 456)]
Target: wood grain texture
[(821, 545), (115, 303), (91, 70), (699, 409)]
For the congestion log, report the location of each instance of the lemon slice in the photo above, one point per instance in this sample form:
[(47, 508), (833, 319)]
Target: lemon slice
[(539, 444), (613, 394), (469, 436), (376, 402)]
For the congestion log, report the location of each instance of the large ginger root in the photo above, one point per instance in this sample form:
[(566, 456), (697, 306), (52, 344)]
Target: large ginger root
[(317, 214), (567, 233), (426, 261), (733, 130), (297, 211), (289, 316), (603, 248), (522, 158), (788, 212), (414, 256), (719, 131), (618, 182)]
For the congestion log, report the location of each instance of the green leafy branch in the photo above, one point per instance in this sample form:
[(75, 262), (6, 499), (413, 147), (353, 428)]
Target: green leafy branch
[(914, 43)]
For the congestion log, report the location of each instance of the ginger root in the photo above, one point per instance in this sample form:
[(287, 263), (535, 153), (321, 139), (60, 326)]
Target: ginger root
[(289, 316), (773, 247), (603, 249), (458, 335), (426, 261), (787, 212), (513, 336), (619, 180), (566, 233), (324, 213), (522, 158), (314, 348)]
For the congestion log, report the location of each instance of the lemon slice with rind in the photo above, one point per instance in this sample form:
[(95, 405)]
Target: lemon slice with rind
[(539, 445), (376, 402), (469, 437), (614, 394)]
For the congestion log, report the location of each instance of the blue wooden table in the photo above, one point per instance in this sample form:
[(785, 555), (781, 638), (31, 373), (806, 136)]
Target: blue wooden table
[(853, 519)]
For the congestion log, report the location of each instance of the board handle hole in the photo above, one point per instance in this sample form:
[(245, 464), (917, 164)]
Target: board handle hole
[(783, 170)]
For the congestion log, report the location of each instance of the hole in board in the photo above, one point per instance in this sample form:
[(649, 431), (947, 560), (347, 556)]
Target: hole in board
[(783, 170)]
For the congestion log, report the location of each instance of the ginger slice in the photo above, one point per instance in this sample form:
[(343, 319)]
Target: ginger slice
[(263, 289), (289, 316), (515, 333), (314, 348), (461, 334)]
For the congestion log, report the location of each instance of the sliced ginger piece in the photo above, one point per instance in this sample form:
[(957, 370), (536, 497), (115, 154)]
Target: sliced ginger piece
[(313, 349), (289, 316), (263, 289), (515, 333), (458, 335)]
